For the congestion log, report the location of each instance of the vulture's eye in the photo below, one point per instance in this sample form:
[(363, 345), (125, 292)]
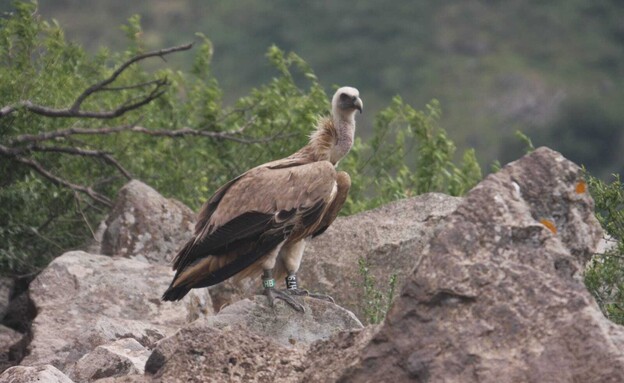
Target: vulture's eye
[(344, 97)]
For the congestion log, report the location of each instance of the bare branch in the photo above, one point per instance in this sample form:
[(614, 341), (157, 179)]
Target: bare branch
[(75, 109), (232, 135), (84, 217), (106, 157), (55, 179), (96, 87), (134, 86)]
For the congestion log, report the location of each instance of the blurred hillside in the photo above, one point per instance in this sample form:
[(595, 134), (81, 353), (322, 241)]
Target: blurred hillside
[(554, 70)]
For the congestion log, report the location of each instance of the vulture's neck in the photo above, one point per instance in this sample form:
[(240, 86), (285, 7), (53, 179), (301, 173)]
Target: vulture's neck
[(331, 141)]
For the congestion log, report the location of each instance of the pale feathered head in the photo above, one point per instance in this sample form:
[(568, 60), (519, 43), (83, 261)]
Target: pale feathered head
[(346, 101)]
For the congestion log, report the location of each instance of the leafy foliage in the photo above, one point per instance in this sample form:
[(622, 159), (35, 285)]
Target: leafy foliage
[(604, 276), (409, 154)]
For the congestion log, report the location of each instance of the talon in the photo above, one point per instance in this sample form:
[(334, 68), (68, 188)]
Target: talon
[(273, 294)]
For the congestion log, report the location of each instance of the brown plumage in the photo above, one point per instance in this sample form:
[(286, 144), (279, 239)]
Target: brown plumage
[(259, 221)]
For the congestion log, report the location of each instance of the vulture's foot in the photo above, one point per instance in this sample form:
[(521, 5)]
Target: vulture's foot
[(273, 294), (304, 292)]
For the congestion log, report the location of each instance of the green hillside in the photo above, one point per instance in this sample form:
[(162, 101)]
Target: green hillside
[(554, 70)]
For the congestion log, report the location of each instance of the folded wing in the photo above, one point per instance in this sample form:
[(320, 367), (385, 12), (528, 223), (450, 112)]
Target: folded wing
[(249, 217)]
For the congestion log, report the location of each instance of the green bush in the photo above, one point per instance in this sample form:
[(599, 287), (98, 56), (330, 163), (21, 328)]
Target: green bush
[(180, 138), (604, 276)]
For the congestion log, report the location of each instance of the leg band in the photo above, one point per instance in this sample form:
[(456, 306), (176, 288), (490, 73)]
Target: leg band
[(267, 279), (291, 282)]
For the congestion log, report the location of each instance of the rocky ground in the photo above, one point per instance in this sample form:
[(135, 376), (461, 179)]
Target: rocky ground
[(490, 291)]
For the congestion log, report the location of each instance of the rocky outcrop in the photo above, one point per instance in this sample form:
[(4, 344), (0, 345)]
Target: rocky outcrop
[(144, 224), (492, 292), (282, 324), (85, 300), (389, 238), (497, 294)]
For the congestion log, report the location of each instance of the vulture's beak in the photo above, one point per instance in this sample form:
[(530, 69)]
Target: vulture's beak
[(357, 103)]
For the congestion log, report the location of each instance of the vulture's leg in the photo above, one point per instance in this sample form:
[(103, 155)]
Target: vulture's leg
[(292, 259), (269, 283), (269, 289)]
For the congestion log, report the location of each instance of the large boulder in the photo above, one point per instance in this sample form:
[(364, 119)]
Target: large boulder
[(389, 239), (85, 300), (497, 295), (249, 339), (144, 224), (282, 324)]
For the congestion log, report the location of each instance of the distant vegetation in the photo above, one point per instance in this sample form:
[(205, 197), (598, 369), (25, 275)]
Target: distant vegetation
[(552, 69)]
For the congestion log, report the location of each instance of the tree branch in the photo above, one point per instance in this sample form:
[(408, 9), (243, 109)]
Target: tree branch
[(106, 157), (8, 152), (231, 135), (75, 111)]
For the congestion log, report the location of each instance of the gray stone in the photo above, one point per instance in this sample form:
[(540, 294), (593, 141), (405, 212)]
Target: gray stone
[(85, 300), (497, 294), (283, 324), (143, 223), (122, 357), (30, 374)]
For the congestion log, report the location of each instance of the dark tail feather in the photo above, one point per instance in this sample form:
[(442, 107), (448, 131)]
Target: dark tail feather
[(175, 293)]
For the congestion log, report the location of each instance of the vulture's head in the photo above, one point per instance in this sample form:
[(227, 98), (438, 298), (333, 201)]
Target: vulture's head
[(346, 101)]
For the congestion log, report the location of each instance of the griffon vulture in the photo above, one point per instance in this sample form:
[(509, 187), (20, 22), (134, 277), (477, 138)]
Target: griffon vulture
[(258, 222)]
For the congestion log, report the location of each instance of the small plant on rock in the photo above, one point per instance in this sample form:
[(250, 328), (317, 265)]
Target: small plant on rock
[(376, 301)]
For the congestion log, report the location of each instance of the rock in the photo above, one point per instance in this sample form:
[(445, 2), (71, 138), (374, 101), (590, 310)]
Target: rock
[(250, 341), (283, 324), (326, 360), (87, 300), (200, 353), (122, 357), (389, 238), (143, 223), (39, 374), (497, 295)]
